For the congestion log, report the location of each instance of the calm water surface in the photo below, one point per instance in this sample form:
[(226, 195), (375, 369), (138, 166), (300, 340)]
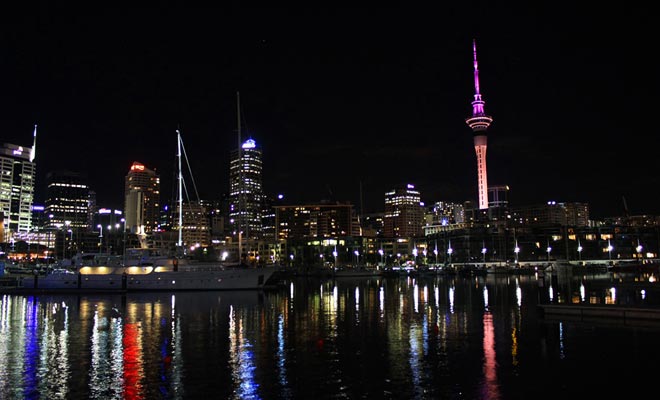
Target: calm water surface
[(353, 338)]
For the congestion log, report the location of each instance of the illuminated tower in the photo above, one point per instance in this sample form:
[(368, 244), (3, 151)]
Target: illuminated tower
[(142, 199), (245, 172), (17, 182), (479, 123), (404, 212)]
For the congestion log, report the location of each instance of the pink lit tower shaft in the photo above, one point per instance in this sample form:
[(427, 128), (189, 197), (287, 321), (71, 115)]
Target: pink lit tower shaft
[(479, 123)]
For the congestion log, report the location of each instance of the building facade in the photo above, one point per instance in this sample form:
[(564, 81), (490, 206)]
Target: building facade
[(67, 199), (404, 213), (142, 199), (17, 183), (315, 221), (245, 190)]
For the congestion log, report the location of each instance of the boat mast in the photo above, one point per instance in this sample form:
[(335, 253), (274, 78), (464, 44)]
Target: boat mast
[(180, 199), (240, 179)]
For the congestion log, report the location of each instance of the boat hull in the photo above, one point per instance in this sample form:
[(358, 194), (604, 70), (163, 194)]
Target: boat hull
[(218, 279)]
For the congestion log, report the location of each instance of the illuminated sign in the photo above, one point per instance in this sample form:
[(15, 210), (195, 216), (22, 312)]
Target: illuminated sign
[(137, 167), (249, 144), (104, 211)]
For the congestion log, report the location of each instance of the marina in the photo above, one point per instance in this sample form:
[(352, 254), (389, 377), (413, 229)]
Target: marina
[(362, 337)]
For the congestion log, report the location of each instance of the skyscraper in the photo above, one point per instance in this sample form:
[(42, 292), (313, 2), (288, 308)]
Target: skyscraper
[(404, 213), (17, 181), (67, 199), (245, 189), (142, 199), (479, 123)]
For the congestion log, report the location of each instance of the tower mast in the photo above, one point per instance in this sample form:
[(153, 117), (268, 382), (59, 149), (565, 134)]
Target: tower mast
[(240, 179), (180, 200), (479, 123)]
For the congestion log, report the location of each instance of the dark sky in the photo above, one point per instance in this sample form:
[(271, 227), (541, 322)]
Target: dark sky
[(343, 102)]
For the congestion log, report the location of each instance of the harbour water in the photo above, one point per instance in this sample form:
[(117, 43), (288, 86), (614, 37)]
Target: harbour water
[(445, 337)]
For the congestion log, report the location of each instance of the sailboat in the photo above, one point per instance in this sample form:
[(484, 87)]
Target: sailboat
[(154, 272)]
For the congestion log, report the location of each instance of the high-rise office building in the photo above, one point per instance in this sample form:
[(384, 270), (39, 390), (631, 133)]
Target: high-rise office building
[(315, 221), (67, 199), (142, 199), (479, 123), (17, 182), (404, 213), (245, 189)]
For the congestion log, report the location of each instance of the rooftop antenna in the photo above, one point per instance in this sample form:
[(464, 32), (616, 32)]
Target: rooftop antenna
[(33, 151)]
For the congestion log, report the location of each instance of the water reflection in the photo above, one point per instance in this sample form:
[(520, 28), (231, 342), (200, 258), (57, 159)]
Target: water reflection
[(441, 337)]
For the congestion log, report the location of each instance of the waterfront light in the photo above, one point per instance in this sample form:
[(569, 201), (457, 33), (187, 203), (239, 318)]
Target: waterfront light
[(579, 250), (483, 254), (382, 256), (516, 250), (609, 249)]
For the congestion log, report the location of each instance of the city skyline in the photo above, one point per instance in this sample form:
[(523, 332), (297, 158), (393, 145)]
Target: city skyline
[(349, 113)]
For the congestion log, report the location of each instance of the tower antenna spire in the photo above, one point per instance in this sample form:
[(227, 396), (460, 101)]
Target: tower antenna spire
[(33, 151), (479, 123)]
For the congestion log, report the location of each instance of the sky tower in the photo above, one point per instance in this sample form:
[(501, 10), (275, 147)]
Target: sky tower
[(479, 123)]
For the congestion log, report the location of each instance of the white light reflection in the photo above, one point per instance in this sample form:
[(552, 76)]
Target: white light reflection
[(242, 359), (451, 299), (357, 298), (436, 292), (518, 295), (291, 290), (281, 357), (551, 293), (582, 292), (415, 357), (335, 297), (643, 293), (613, 294), (382, 300), (416, 298)]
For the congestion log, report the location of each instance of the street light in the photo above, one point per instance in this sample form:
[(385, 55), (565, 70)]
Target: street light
[(579, 250), (450, 251), (483, 252), (334, 254), (357, 258), (639, 250), (123, 221), (516, 250), (382, 256), (549, 249), (100, 237), (64, 231), (609, 249)]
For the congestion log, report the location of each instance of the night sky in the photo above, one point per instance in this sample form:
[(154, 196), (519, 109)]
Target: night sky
[(345, 103)]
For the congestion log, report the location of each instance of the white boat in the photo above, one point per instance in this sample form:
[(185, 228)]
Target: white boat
[(152, 272), (191, 276)]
